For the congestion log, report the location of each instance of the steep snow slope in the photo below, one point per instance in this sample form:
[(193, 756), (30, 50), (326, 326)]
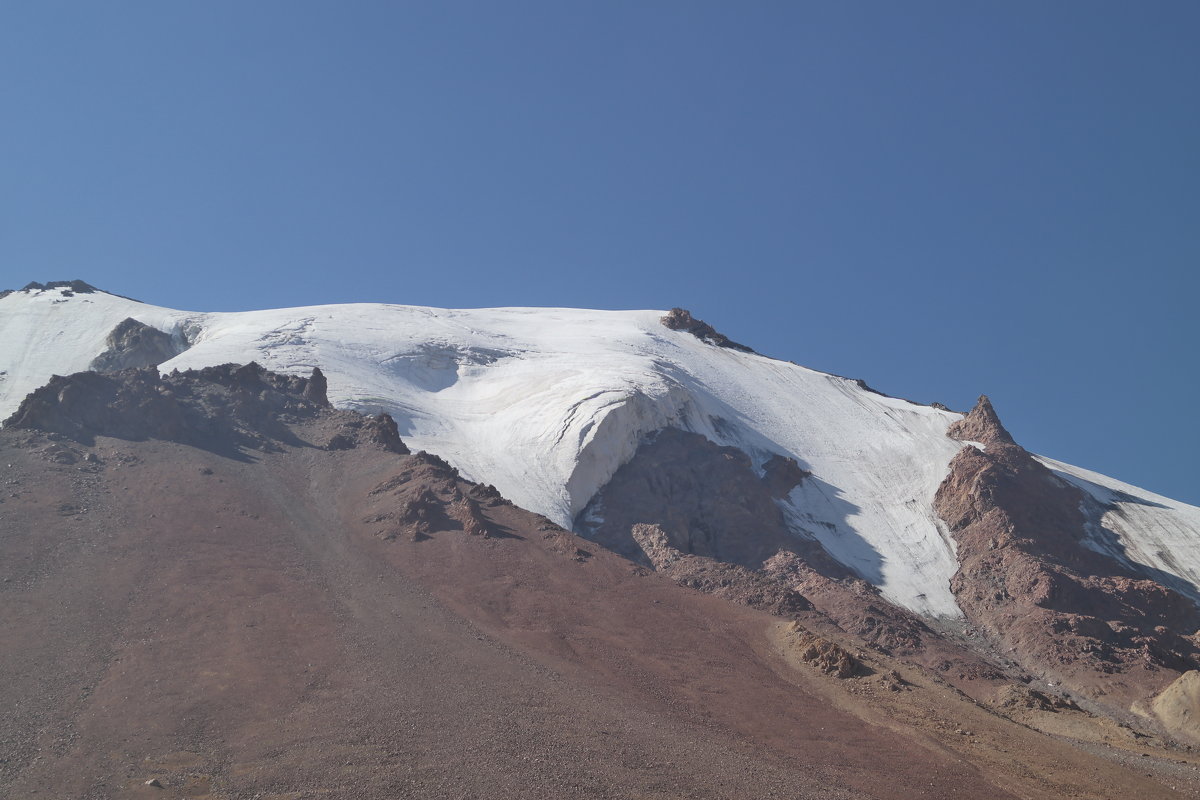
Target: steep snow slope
[(547, 403), (1141, 528)]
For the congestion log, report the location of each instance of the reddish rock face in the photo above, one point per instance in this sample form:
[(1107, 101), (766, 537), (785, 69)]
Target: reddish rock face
[(981, 425), (1060, 608)]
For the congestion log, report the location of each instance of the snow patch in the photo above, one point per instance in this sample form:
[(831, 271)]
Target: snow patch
[(1155, 534)]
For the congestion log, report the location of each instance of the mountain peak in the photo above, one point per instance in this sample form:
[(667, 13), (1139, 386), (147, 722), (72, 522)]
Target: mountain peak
[(982, 425), (680, 319)]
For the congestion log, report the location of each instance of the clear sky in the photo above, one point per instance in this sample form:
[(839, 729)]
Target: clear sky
[(944, 198)]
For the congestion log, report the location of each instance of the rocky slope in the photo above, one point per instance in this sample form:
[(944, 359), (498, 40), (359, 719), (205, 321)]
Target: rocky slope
[(1070, 613), (298, 607), (920, 533)]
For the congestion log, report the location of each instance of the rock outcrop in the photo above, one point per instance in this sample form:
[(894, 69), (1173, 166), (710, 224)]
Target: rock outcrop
[(732, 582), (134, 344), (827, 656), (355, 430), (227, 409), (680, 319), (65, 288), (1061, 609), (76, 286), (427, 495), (316, 391), (981, 425)]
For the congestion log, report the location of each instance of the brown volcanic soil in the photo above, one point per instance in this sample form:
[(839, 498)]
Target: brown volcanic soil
[(302, 622)]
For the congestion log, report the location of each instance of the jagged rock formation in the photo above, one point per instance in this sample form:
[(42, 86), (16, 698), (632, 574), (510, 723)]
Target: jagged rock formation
[(76, 286), (680, 319), (981, 425), (729, 581), (133, 345), (227, 409), (425, 496), (829, 657), (1027, 577), (66, 289), (353, 430)]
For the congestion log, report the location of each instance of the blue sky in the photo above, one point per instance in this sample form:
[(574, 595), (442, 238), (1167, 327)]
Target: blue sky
[(944, 198)]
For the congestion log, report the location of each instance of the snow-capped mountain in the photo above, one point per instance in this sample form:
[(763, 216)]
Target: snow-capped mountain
[(546, 404)]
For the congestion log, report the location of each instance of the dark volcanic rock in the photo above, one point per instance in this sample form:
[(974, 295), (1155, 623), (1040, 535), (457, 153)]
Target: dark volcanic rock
[(1060, 608), (706, 498), (134, 344), (68, 289), (226, 409), (379, 430), (317, 389), (680, 319), (426, 495), (782, 474), (129, 405), (77, 286)]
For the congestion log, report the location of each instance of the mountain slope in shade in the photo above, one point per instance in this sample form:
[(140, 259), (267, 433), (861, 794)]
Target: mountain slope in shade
[(547, 404), (247, 593)]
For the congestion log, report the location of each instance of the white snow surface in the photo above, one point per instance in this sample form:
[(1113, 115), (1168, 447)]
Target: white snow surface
[(1144, 529), (547, 403)]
